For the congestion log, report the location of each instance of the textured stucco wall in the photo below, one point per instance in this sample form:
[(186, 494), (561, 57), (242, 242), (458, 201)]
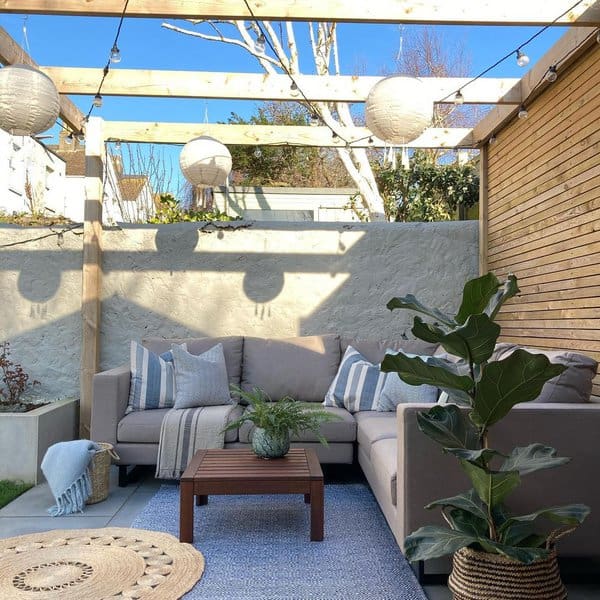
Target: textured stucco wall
[(40, 304), (276, 279)]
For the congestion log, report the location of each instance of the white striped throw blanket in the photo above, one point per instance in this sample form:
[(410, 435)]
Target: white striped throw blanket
[(187, 430)]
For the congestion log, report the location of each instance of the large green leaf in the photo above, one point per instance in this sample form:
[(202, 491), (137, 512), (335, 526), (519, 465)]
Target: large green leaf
[(512, 534), (467, 501), (508, 290), (524, 555), (432, 541), (410, 302), (570, 514), (534, 457), (483, 455), (467, 522), (448, 426), (476, 295), (491, 487), (474, 341), (504, 383), (435, 371)]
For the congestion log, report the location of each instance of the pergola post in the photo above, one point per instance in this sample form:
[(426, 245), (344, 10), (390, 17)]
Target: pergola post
[(483, 209), (92, 267)]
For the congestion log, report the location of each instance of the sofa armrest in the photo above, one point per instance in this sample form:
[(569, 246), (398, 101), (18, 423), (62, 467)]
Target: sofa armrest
[(109, 402), (425, 473)]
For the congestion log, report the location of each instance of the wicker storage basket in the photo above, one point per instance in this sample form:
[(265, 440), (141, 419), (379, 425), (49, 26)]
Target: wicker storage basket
[(100, 471), (482, 576)]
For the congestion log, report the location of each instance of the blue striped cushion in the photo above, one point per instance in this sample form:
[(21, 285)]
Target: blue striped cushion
[(152, 379), (357, 384)]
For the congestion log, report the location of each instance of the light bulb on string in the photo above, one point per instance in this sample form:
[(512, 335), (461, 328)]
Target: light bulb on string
[(522, 58), (294, 89), (260, 44), (551, 75), (492, 140), (458, 98), (257, 153), (115, 54), (98, 101), (522, 114), (117, 145), (69, 139), (314, 119)]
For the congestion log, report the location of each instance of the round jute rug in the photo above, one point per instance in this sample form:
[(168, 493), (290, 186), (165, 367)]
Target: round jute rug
[(93, 564)]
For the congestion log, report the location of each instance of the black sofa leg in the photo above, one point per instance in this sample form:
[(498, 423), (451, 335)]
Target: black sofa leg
[(123, 477)]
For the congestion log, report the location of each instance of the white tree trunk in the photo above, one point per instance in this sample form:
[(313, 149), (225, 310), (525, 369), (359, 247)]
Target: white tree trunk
[(324, 50)]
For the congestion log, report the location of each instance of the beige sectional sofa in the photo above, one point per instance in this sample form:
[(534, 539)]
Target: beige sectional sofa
[(404, 468)]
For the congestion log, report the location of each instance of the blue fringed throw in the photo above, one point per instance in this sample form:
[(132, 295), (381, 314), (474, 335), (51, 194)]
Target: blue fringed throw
[(65, 466)]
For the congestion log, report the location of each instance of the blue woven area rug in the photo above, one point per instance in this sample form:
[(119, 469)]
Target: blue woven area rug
[(258, 547)]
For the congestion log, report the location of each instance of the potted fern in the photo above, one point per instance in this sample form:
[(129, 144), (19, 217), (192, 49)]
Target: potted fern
[(495, 554), (275, 421)]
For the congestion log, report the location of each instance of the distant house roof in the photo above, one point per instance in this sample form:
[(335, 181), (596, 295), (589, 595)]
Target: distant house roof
[(74, 158), (131, 186)]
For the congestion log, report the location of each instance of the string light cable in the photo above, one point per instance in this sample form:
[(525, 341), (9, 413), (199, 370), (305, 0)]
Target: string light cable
[(114, 57), (295, 89), (517, 51)]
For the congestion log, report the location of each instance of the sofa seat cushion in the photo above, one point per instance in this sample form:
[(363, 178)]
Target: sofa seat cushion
[(375, 350), (372, 426), (340, 430), (232, 349), (384, 460), (300, 367), (143, 427)]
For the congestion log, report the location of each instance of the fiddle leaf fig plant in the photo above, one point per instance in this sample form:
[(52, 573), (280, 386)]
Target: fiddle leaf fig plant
[(481, 391)]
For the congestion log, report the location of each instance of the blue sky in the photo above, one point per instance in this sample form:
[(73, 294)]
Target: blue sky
[(364, 48)]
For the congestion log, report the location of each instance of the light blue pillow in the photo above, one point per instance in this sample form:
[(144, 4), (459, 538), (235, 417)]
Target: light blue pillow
[(200, 380), (152, 379), (357, 384), (396, 391)]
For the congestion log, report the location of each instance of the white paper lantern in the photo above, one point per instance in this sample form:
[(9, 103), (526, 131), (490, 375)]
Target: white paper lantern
[(398, 109), (205, 161), (29, 102)]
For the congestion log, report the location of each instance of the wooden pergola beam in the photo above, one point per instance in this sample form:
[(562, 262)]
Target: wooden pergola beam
[(11, 53), (273, 135), (257, 86), (467, 12)]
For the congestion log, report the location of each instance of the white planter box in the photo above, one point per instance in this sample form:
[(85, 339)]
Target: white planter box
[(25, 437)]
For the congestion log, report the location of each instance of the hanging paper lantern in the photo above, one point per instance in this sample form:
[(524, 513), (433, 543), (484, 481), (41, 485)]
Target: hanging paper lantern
[(398, 109), (29, 102), (205, 161)]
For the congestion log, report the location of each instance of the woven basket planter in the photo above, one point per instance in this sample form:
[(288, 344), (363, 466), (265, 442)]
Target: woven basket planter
[(482, 576), (100, 471)]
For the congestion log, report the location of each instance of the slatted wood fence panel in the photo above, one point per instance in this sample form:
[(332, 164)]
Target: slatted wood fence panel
[(543, 215)]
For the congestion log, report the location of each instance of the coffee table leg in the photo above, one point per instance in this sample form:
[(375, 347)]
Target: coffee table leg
[(186, 512), (201, 500), (316, 511)]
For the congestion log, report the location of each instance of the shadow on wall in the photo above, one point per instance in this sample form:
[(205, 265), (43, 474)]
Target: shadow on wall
[(268, 279)]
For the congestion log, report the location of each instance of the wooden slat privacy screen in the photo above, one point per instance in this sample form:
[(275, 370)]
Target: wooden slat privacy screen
[(543, 215)]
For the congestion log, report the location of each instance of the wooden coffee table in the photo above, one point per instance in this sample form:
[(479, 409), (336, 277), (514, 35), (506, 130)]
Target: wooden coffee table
[(240, 471)]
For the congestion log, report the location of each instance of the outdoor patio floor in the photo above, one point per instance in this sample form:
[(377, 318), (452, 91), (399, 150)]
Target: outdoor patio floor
[(27, 514)]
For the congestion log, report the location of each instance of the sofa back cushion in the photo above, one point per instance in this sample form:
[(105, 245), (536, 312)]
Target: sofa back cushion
[(300, 367), (232, 348), (374, 350), (573, 385)]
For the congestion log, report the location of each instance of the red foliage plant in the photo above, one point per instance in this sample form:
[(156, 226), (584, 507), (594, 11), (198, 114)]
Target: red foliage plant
[(14, 377)]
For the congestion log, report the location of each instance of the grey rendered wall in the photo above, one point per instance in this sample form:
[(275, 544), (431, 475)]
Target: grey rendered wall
[(263, 279)]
